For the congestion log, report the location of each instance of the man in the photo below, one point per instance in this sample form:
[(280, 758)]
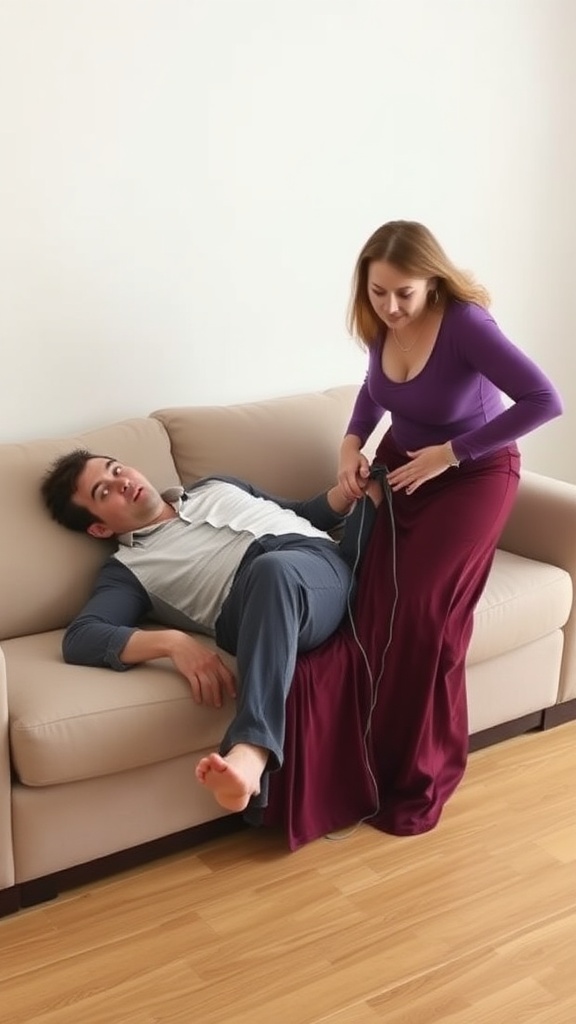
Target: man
[(260, 574)]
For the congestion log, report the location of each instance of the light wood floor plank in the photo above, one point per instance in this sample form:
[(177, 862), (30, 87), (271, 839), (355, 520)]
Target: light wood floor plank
[(474, 923)]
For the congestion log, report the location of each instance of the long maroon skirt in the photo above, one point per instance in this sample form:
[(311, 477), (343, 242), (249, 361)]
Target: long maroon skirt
[(377, 726)]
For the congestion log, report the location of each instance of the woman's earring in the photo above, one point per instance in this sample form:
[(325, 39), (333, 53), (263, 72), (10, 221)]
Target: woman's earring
[(435, 296)]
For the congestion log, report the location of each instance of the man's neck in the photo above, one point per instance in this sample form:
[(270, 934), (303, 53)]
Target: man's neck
[(168, 512)]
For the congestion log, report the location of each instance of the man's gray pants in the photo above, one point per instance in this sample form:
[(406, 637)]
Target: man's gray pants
[(289, 595)]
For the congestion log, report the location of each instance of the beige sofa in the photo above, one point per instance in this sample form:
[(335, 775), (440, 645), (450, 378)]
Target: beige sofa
[(97, 767)]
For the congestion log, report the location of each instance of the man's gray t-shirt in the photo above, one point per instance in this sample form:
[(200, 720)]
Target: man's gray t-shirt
[(187, 564)]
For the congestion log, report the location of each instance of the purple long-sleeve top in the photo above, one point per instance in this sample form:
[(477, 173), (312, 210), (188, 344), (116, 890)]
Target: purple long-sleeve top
[(457, 396)]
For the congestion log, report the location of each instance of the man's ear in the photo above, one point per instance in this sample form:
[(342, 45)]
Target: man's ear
[(100, 530)]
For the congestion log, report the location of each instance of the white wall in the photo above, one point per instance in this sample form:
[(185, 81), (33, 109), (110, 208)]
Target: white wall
[(185, 185)]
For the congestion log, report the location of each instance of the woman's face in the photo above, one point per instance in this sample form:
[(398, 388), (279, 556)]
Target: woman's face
[(396, 298)]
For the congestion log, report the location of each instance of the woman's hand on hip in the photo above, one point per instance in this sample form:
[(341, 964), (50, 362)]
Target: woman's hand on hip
[(425, 464)]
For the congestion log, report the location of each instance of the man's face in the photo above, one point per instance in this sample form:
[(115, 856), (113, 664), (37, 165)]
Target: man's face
[(120, 496)]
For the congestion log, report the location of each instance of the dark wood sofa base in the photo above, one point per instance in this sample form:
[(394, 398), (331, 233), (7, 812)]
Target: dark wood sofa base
[(39, 890), (536, 722), (506, 731), (559, 714)]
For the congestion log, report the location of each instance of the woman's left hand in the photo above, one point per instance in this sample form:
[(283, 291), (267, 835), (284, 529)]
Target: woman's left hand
[(424, 465)]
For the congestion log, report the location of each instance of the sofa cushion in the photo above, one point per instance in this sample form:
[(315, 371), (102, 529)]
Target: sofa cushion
[(69, 723), (523, 600), (55, 577), (284, 445)]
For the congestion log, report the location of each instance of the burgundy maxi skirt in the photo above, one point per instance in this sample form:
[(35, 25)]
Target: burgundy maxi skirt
[(377, 726)]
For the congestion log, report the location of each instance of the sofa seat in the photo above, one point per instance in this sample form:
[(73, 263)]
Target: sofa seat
[(523, 601), (68, 723)]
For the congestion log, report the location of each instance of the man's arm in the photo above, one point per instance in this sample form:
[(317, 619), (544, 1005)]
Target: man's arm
[(101, 630), (207, 674), (105, 634)]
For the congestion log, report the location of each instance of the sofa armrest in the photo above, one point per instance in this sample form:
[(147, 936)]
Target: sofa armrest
[(542, 525), (6, 846)]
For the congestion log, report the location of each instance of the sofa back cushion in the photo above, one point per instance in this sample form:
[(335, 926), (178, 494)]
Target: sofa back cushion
[(288, 446), (46, 571)]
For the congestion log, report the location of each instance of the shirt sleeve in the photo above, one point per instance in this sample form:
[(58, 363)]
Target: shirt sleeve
[(535, 399), (99, 633), (316, 510), (366, 414)]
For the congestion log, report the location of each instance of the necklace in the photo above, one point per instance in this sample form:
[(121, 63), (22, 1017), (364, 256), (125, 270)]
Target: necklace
[(406, 348)]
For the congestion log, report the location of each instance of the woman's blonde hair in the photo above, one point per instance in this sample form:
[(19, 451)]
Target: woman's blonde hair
[(411, 248)]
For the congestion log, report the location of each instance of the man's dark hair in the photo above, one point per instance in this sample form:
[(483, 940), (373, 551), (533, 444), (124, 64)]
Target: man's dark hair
[(59, 486)]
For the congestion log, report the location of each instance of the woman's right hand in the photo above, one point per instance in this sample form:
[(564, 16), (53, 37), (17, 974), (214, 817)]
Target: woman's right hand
[(353, 470)]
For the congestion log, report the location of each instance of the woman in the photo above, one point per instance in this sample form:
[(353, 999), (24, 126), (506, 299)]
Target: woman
[(437, 363)]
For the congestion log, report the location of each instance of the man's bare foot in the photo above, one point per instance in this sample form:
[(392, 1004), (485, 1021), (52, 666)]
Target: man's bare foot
[(235, 778)]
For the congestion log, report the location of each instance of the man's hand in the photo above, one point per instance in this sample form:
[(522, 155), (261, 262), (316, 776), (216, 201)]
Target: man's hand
[(207, 674), (424, 465)]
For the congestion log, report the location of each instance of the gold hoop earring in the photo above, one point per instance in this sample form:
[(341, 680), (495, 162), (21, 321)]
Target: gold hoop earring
[(435, 297)]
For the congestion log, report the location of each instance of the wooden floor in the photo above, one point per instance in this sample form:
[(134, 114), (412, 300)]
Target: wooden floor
[(474, 923)]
